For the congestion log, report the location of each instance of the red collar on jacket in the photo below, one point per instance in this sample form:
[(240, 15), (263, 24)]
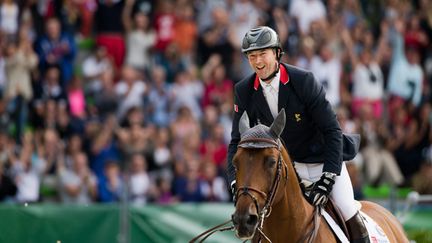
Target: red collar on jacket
[(284, 78)]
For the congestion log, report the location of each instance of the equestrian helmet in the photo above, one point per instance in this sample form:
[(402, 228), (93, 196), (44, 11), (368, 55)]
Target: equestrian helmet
[(260, 38)]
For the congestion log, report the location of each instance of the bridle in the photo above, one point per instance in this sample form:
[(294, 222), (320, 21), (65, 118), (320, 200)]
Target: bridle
[(269, 198)]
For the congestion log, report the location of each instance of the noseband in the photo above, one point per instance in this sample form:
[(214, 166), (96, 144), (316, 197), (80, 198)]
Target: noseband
[(246, 190)]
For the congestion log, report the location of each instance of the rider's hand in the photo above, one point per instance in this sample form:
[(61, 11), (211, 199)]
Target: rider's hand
[(321, 189)]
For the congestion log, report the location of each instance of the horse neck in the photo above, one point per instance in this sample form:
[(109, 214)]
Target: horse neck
[(292, 205)]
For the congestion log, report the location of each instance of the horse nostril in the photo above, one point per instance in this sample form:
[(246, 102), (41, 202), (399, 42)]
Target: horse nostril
[(234, 219), (252, 220)]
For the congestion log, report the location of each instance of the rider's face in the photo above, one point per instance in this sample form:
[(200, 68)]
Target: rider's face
[(263, 62)]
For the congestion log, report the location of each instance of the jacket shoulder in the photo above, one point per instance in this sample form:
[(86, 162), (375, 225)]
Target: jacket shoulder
[(245, 83), (296, 73)]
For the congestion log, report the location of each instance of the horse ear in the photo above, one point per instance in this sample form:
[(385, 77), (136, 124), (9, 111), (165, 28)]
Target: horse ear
[(278, 124), (244, 123)]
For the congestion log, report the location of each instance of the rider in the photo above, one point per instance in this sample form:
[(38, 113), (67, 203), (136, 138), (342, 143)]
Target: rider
[(312, 134)]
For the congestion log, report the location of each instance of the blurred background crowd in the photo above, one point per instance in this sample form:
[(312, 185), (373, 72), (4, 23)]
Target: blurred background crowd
[(106, 99)]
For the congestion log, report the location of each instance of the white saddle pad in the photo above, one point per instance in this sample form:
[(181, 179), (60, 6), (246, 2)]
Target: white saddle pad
[(376, 234)]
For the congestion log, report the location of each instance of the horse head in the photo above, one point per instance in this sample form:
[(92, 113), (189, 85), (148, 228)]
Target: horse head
[(258, 163)]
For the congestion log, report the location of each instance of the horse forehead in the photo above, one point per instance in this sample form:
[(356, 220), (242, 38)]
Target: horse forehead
[(251, 155), (258, 137), (258, 131)]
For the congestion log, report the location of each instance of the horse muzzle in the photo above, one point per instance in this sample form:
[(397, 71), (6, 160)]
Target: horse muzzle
[(245, 224)]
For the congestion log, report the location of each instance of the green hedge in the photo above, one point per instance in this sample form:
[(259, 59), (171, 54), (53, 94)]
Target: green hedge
[(151, 223)]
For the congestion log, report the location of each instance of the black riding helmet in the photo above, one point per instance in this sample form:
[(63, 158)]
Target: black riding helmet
[(261, 38)]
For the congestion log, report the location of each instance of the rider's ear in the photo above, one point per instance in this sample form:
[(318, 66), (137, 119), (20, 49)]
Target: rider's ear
[(244, 123), (278, 124)]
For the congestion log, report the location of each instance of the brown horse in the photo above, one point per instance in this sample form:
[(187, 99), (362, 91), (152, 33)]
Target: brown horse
[(270, 205)]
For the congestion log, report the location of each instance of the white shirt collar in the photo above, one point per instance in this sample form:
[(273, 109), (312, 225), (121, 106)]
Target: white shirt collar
[(274, 83)]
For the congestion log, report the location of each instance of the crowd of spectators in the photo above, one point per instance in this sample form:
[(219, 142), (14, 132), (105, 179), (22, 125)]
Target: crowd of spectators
[(104, 100)]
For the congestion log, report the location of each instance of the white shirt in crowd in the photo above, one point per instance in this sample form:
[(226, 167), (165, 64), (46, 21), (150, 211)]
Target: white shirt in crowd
[(328, 73), (93, 67), (139, 187), (9, 18), (307, 11), (138, 43), (130, 96), (70, 178), (368, 83)]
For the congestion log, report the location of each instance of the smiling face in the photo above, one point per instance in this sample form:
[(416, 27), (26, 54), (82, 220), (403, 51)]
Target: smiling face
[(263, 62)]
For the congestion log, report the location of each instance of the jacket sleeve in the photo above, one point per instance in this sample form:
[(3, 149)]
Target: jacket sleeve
[(235, 134), (324, 118)]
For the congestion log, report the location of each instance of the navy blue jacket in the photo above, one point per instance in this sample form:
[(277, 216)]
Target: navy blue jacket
[(312, 133)]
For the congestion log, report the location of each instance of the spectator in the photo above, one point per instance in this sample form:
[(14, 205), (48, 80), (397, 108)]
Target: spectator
[(76, 98), (74, 146), (111, 185), (215, 188), (105, 100), (140, 38), (215, 38), (217, 87), (187, 91), (20, 61), (306, 12), (130, 90), (326, 67), (406, 75), (213, 149), (162, 155), (94, 66), (9, 18), (109, 28), (26, 171), (164, 194), (186, 32), (368, 80), (159, 98), (8, 189), (171, 61), (164, 20), (87, 8), (183, 128), (78, 184), (134, 137), (56, 47), (103, 147), (421, 181), (189, 187), (139, 180), (50, 88)]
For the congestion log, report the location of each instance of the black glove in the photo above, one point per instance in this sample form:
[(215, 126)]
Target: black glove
[(321, 189)]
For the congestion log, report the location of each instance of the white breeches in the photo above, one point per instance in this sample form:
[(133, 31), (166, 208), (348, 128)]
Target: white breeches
[(342, 193)]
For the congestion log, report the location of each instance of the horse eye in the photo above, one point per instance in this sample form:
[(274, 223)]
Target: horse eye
[(270, 162)]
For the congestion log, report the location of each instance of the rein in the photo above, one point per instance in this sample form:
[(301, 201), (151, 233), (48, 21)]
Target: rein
[(209, 232)]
